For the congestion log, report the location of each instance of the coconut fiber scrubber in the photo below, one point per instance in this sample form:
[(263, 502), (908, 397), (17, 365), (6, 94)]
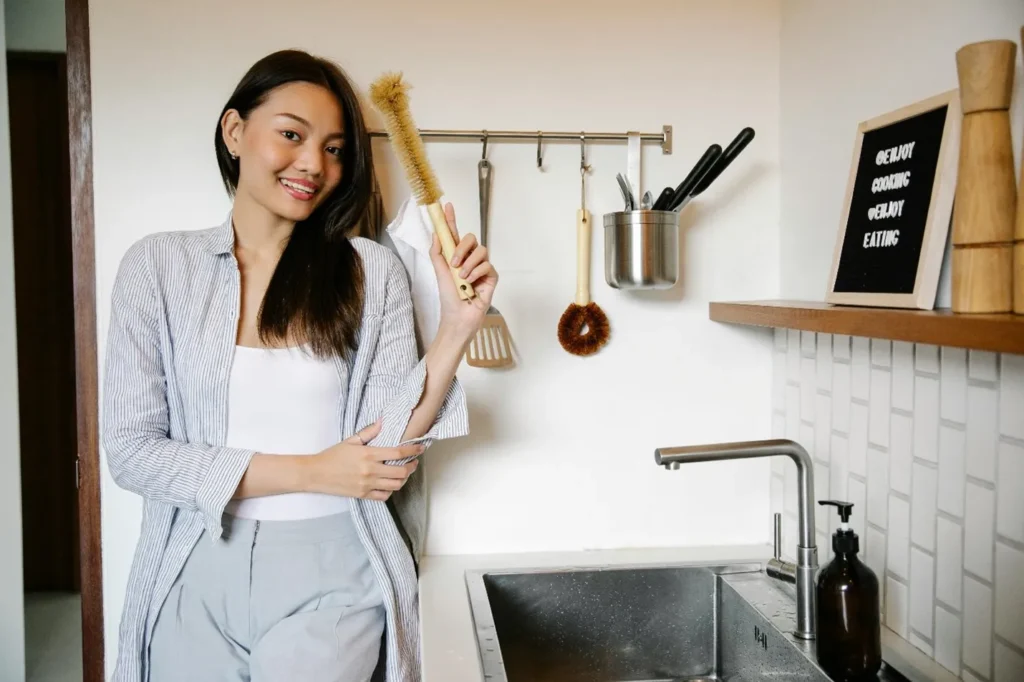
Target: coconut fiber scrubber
[(583, 327)]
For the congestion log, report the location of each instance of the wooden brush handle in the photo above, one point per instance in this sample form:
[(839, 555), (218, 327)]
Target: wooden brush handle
[(582, 257), (444, 234)]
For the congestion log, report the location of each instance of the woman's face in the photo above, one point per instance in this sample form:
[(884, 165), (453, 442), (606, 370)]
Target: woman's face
[(289, 149)]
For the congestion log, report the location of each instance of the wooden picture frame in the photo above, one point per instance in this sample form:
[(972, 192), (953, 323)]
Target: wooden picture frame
[(879, 282)]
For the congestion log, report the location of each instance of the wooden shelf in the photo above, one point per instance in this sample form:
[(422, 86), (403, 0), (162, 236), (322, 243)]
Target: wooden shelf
[(999, 333)]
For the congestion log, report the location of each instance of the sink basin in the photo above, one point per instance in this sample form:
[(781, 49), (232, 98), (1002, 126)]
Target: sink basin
[(636, 623)]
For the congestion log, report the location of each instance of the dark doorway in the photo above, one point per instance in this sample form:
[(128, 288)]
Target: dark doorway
[(44, 291)]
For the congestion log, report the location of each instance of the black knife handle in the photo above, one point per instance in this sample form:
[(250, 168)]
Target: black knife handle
[(696, 173), (731, 152), (663, 199)]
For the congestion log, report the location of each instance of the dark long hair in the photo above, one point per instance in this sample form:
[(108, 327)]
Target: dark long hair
[(317, 287)]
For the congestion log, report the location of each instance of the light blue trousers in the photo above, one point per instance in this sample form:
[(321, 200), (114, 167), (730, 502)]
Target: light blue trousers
[(272, 601)]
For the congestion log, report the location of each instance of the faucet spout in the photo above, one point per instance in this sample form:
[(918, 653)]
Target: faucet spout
[(807, 551)]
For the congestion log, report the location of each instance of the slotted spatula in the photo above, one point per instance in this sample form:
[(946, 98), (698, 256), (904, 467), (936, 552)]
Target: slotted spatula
[(492, 345)]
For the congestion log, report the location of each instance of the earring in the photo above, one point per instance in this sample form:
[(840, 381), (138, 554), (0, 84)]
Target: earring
[(234, 155)]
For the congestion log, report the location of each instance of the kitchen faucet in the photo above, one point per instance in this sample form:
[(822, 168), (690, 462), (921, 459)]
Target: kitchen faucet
[(806, 550)]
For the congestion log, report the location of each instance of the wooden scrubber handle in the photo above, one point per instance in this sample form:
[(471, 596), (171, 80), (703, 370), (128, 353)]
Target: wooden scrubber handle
[(582, 257), (444, 234)]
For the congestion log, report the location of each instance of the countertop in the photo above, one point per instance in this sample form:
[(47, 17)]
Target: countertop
[(448, 641)]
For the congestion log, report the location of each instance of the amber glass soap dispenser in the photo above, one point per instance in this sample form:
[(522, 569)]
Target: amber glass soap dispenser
[(849, 641)]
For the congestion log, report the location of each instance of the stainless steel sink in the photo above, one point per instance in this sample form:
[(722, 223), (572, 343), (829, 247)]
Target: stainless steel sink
[(637, 623)]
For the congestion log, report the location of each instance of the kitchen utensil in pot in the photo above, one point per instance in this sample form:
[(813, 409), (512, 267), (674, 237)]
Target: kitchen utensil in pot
[(641, 249)]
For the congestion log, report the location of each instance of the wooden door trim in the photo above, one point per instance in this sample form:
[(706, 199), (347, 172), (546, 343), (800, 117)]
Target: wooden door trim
[(86, 370)]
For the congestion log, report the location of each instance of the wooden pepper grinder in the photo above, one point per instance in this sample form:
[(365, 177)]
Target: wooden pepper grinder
[(985, 207), (1018, 249)]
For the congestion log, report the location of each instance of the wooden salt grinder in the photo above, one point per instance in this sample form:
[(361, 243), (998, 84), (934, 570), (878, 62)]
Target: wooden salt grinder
[(985, 206), (1018, 249)]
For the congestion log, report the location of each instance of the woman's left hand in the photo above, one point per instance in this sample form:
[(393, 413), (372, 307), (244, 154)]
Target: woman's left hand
[(459, 316)]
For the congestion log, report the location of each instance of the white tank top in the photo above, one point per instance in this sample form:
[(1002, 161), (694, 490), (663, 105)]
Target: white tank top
[(284, 401)]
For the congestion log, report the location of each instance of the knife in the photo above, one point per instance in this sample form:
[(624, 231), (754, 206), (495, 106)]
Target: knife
[(738, 144), (695, 175), (663, 199)]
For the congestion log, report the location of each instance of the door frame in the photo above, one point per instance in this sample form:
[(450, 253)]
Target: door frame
[(83, 259)]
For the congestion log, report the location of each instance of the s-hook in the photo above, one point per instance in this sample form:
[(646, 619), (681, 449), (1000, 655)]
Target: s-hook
[(540, 158), (584, 168), (483, 154)]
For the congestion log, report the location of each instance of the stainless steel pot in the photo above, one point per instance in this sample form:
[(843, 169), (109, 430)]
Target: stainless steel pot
[(641, 249)]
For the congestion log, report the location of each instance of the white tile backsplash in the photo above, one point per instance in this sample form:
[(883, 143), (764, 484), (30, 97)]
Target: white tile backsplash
[(926, 358), (841, 397), (878, 487), (897, 607), (881, 352), (981, 365), (1009, 664), (922, 583), (839, 469), (780, 338), (793, 353), (858, 496), (926, 418), (879, 408), (947, 639), (778, 377), (982, 432), (953, 403), (977, 626), (928, 444), (823, 357), (898, 561), (901, 455), (808, 388), (822, 426), (1009, 595), (1010, 492), (949, 574), (903, 375), (979, 530), (923, 506), (861, 368), (952, 470), (874, 552), (841, 347), (808, 342), (1011, 396), (859, 439)]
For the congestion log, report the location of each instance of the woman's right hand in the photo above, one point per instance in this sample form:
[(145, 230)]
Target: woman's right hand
[(352, 469)]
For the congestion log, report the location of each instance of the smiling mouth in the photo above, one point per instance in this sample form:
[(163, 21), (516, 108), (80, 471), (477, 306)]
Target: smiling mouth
[(298, 190)]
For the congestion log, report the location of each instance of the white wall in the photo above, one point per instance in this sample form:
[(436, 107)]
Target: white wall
[(35, 25), (12, 605), (842, 63), (561, 453)]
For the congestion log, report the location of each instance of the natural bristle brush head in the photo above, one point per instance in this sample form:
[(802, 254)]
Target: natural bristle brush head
[(583, 329), (389, 94)]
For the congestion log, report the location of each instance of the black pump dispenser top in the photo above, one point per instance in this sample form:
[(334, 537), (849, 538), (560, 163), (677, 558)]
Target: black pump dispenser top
[(844, 540)]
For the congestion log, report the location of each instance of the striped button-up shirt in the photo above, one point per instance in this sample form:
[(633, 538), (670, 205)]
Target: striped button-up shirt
[(173, 325)]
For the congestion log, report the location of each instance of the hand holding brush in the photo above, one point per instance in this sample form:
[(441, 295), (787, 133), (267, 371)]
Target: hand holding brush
[(390, 95)]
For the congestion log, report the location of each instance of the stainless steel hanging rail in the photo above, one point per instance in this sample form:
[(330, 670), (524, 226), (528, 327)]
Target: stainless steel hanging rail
[(664, 137)]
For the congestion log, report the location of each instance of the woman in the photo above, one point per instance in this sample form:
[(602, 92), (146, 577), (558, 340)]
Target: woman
[(264, 395)]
